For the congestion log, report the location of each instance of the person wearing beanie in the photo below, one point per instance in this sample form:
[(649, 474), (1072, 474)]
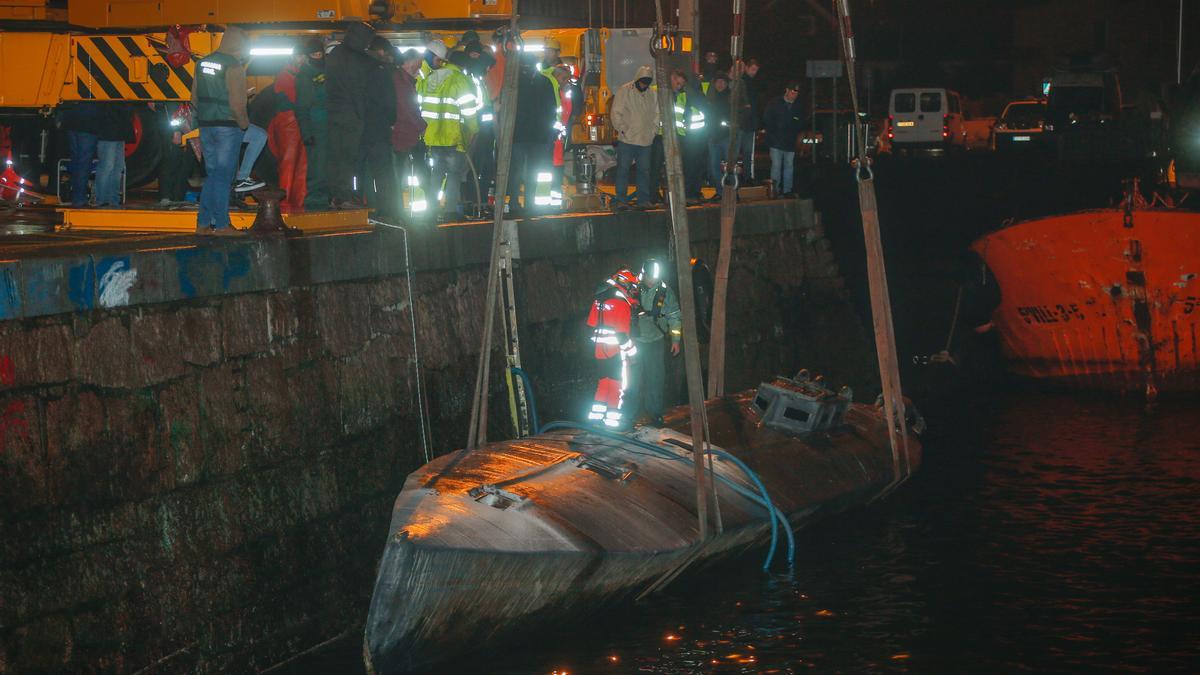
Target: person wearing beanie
[(348, 75), (312, 110), (378, 176)]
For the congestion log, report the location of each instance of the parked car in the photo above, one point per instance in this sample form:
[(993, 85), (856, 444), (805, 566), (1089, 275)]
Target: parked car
[(1021, 125), (926, 119)]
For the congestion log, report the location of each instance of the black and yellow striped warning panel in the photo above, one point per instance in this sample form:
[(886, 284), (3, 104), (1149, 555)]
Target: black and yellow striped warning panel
[(127, 68)]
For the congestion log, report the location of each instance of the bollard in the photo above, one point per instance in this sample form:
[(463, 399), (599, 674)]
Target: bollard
[(269, 220)]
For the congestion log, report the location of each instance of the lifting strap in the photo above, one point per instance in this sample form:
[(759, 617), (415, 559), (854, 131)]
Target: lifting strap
[(682, 242), (881, 307), (729, 187)]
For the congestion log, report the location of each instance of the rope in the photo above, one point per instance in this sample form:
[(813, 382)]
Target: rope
[(776, 517), (881, 308), (426, 435)]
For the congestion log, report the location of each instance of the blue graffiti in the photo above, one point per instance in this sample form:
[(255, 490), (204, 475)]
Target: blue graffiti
[(10, 297), (199, 270), (81, 285)]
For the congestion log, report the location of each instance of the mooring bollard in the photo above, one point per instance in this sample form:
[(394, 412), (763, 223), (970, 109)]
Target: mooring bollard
[(269, 220)]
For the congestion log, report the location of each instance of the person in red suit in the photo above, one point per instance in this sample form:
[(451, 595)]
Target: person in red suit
[(286, 133), (611, 320)]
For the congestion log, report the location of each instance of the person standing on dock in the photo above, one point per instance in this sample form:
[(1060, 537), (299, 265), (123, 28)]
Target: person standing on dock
[(635, 118), (749, 118), (657, 318), (784, 120), (719, 114), (533, 137), (375, 158), (286, 133), (81, 122), (614, 311), (348, 75), (451, 111), (115, 129), (408, 149), (689, 126), (310, 97), (219, 99)]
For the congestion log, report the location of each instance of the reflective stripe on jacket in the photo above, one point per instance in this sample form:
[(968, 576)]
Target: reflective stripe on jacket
[(611, 320), (687, 118), (450, 108)]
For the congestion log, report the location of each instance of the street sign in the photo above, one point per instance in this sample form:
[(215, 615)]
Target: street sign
[(823, 69)]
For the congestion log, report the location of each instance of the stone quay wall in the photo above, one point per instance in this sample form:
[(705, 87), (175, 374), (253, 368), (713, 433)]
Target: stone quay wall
[(200, 442)]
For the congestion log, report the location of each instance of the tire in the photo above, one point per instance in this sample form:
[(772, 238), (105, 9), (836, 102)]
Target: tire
[(144, 157), (25, 133)]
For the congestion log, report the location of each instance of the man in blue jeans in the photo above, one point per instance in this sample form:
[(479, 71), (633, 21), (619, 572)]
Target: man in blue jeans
[(783, 120), (80, 121), (719, 115), (219, 98), (114, 130), (635, 118)]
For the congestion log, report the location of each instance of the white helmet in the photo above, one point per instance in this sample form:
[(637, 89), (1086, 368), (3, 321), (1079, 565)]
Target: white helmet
[(438, 48)]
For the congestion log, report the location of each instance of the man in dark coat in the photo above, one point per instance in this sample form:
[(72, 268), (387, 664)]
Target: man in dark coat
[(348, 74), (717, 117), (783, 121), (749, 118), (533, 137), (378, 175), (313, 112)]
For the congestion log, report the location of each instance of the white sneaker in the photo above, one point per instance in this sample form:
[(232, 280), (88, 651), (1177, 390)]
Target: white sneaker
[(248, 185)]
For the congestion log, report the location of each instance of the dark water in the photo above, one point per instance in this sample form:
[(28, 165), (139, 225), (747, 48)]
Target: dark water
[(1045, 533)]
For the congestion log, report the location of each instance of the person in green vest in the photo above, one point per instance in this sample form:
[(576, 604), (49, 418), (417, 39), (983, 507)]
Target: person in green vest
[(219, 99), (689, 125)]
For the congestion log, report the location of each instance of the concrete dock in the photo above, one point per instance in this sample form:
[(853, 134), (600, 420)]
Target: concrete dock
[(202, 438)]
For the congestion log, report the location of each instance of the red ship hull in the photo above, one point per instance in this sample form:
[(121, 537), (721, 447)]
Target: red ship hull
[(1091, 300)]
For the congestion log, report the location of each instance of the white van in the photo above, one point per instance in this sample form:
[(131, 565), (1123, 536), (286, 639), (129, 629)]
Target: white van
[(926, 119)]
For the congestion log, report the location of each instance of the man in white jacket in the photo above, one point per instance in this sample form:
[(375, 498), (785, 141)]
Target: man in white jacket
[(635, 119)]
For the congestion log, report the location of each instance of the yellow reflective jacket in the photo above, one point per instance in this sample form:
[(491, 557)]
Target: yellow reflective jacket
[(687, 118), (450, 106)]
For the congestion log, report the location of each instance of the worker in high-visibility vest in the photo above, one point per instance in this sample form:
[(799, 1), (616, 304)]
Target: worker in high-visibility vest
[(564, 114), (612, 320), (689, 123), (533, 140), (450, 108)]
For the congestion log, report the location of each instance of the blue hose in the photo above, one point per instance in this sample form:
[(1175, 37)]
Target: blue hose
[(533, 416), (763, 499)]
